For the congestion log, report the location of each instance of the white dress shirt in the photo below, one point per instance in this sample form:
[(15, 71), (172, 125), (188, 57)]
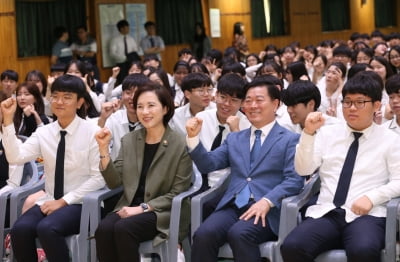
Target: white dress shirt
[(210, 129), (15, 173), (376, 172), (81, 166), (118, 124), (392, 125), (183, 114), (117, 48), (296, 128)]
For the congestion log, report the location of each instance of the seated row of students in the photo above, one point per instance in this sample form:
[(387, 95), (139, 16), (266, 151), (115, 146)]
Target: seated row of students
[(202, 89)]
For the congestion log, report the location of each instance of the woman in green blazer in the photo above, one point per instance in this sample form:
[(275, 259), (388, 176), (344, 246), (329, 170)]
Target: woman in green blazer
[(153, 166)]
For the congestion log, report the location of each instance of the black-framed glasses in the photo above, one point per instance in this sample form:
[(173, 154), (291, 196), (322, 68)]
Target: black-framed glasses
[(358, 103)]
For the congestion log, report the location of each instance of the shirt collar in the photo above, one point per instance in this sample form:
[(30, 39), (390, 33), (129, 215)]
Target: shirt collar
[(366, 132), (71, 127), (265, 129)]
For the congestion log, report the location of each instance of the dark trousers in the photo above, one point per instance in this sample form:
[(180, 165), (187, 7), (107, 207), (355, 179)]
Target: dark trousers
[(51, 231), (363, 239), (225, 226), (118, 239)]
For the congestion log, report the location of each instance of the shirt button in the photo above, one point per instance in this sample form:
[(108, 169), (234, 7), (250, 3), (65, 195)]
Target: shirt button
[(248, 179)]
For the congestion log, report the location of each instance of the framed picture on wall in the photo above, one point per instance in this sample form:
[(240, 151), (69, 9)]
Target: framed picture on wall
[(110, 14)]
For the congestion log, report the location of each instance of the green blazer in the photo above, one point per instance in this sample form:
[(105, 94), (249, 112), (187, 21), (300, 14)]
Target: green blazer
[(169, 174)]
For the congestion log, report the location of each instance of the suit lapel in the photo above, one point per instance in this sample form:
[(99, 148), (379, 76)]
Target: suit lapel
[(140, 149), (244, 142), (273, 137)]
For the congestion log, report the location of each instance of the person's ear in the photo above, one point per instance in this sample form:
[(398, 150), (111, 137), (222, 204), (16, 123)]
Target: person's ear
[(81, 101)]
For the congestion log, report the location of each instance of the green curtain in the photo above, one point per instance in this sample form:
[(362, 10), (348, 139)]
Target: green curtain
[(335, 15), (385, 13), (277, 18), (176, 20), (36, 22)]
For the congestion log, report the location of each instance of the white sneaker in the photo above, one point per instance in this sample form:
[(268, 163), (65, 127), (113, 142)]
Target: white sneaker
[(181, 256)]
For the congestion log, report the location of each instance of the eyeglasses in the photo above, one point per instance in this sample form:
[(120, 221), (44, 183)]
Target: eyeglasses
[(65, 99), (223, 99), (203, 91), (358, 103)]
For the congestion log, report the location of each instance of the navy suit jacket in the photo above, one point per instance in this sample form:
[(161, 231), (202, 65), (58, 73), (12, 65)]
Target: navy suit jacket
[(272, 176)]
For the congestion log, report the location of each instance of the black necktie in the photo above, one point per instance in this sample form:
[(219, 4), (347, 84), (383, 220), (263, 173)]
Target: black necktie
[(152, 41), (59, 174), (216, 143), (125, 46), (217, 140), (347, 171)]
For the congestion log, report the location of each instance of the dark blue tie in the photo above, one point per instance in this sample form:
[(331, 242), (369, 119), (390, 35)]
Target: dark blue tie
[(59, 173), (125, 46), (242, 198), (347, 171), (218, 138)]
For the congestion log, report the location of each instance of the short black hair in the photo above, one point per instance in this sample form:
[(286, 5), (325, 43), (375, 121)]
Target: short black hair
[(341, 67), (367, 83), (9, 74), (184, 51), (163, 96), (392, 85), (301, 91), (264, 81), (342, 50), (233, 68), (297, 69), (195, 80), (59, 31), (354, 69), (181, 63), (149, 23), (121, 24), (233, 85), (134, 80)]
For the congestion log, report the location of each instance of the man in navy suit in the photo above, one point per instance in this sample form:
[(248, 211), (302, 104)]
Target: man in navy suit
[(262, 174)]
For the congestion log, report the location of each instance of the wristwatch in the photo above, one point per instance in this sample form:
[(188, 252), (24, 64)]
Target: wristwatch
[(145, 207)]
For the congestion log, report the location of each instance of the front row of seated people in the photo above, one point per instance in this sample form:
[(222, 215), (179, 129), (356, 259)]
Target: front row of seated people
[(267, 163)]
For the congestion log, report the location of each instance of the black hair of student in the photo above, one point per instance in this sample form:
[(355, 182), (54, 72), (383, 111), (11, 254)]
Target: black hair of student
[(367, 83), (323, 57), (71, 84), (148, 24), (271, 47), (233, 68), (232, 52), (377, 33), (42, 78), (255, 56), (181, 63), (301, 92), (184, 51), (354, 69), (164, 79), (297, 69), (385, 63), (393, 35), (327, 43), (367, 51), (59, 31), (215, 55), (162, 94), (32, 89), (9, 74), (270, 63), (138, 63), (311, 49), (265, 81), (58, 67), (392, 85), (354, 36), (237, 28), (121, 24), (195, 80), (134, 80), (199, 67), (342, 50), (84, 27), (289, 48), (341, 67), (81, 65), (272, 57), (233, 85)]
